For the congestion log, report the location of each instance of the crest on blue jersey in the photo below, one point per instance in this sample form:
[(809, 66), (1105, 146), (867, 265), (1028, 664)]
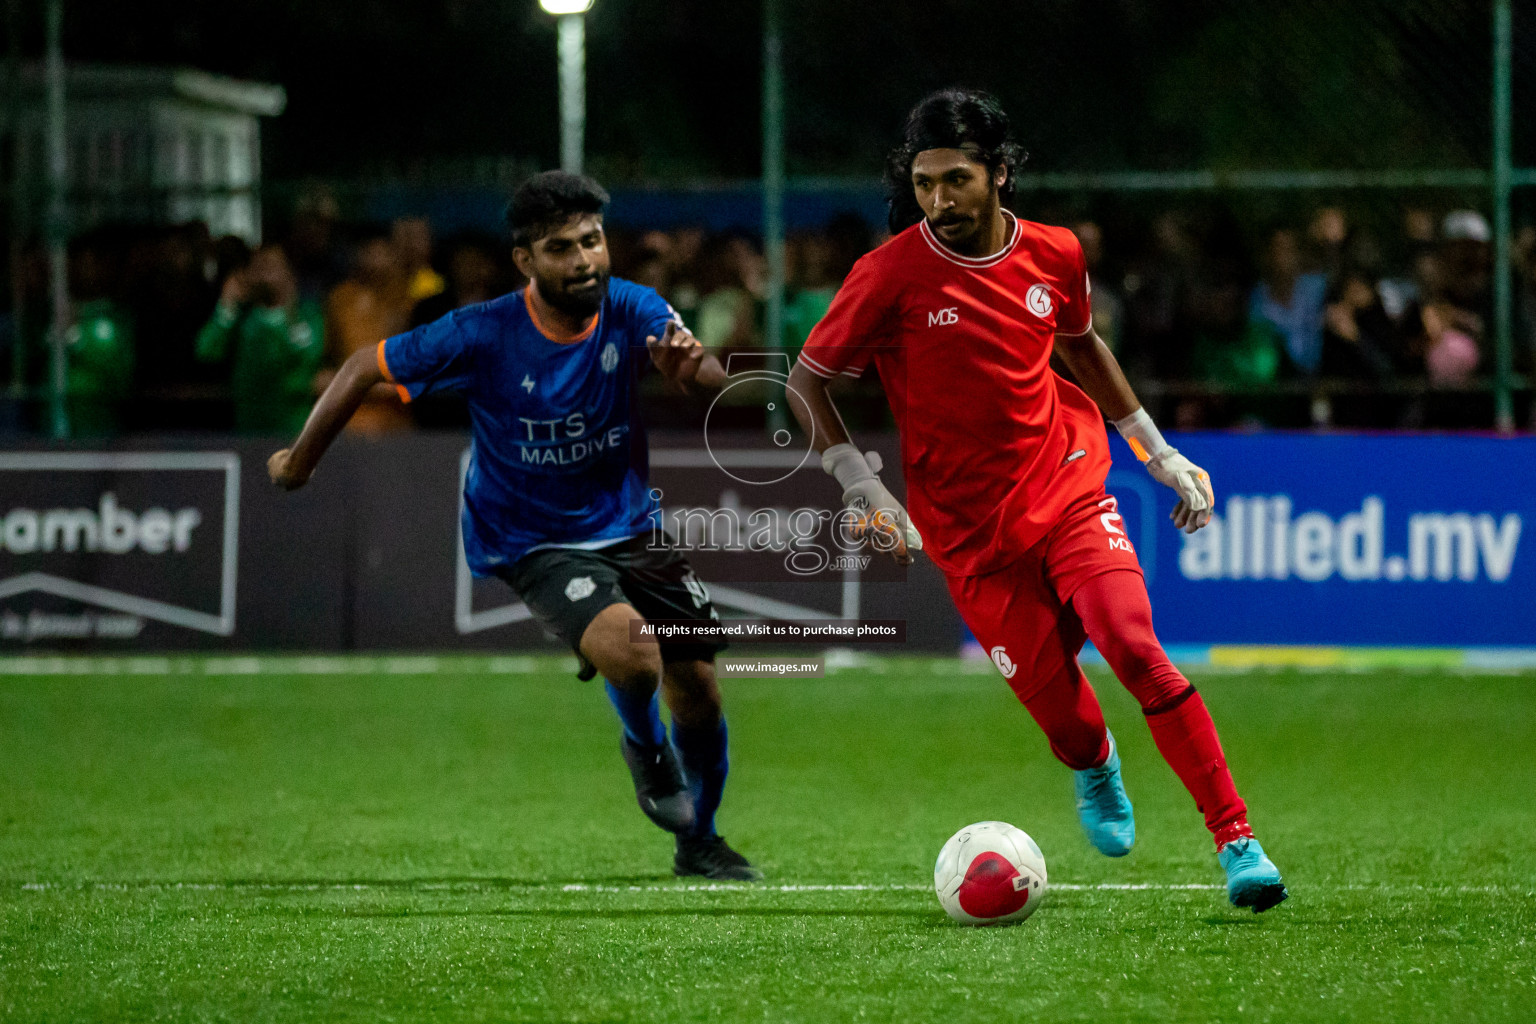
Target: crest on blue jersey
[(609, 360)]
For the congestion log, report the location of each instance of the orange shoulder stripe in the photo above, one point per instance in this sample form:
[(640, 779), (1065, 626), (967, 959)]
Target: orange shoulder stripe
[(405, 396)]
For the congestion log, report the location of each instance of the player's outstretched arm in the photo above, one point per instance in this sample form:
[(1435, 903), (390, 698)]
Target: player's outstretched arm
[(877, 509), (682, 359), (291, 467), (1099, 373)]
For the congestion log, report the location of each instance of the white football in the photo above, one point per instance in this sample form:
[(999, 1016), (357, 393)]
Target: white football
[(990, 873)]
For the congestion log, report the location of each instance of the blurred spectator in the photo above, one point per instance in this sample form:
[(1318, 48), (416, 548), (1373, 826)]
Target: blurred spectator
[(1291, 302), (373, 303), (1399, 290), (1525, 297), (1155, 293), (1327, 233), (1451, 355), (682, 269), (272, 340), (1108, 309), (1359, 339), (653, 264), (412, 239), (1468, 257), (1453, 288), (730, 279), (312, 248), (474, 275), (99, 342), (809, 284), (230, 254), (1326, 298), (171, 289), (1218, 342), (820, 263), (1419, 226)]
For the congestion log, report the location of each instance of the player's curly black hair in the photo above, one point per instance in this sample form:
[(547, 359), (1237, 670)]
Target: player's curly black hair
[(545, 201), (950, 119)]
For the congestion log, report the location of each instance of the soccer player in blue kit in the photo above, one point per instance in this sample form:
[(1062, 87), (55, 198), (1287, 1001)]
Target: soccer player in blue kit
[(556, 500)]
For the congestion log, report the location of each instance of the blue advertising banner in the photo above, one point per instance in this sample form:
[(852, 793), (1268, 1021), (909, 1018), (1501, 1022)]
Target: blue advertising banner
[(1343, 540)]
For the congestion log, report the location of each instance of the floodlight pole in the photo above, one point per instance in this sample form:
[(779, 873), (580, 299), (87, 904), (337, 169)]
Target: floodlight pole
[(572, 49), (1503, 351), (773, 191), (57, 230)]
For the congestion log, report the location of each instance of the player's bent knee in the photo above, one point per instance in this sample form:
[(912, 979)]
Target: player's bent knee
[(635, 671), (694, 682), (626, 662)]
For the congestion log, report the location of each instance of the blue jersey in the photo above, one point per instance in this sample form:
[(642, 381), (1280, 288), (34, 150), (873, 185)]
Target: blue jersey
[(559, 456)]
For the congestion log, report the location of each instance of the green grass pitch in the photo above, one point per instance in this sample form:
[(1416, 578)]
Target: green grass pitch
[(464, 846)]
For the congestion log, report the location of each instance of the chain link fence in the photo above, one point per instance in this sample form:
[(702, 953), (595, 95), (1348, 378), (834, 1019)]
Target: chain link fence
[(1290, 208)]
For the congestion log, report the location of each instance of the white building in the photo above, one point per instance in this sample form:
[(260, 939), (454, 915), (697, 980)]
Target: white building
[(146, 145)]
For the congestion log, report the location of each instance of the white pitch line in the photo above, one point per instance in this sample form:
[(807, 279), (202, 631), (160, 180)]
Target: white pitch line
[(664, 887)]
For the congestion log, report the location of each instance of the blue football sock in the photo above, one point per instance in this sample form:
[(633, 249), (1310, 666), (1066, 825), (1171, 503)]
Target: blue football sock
[(641, 716), (705, 762)]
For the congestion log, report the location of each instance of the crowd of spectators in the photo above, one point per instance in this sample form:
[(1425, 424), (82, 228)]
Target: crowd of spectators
[(173, 329), (1318, 322), (1322, 322)]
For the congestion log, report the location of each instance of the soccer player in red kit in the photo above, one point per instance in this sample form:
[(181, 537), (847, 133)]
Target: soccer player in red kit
[(1005, 462)]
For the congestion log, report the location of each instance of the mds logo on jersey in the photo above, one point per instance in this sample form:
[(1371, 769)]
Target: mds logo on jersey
[(944, 317), (1111, 521)]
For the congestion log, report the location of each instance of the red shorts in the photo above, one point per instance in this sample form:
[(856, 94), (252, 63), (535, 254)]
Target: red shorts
[(1022, 615)]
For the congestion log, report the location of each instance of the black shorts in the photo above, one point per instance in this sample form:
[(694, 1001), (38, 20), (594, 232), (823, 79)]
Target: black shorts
[(566, 588)]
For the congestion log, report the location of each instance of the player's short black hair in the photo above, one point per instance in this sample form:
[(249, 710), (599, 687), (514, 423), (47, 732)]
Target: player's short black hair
[(545, 201), (966, 119)]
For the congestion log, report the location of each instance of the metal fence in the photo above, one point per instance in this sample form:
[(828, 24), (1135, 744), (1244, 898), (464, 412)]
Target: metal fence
[(1223, 120)]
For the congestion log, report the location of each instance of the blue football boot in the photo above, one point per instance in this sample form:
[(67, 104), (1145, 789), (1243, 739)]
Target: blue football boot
[(1252, 878), (1103, 807)]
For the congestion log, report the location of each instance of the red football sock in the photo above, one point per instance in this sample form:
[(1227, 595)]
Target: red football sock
[(1068, 712), (1187, 738), (1118, 618)]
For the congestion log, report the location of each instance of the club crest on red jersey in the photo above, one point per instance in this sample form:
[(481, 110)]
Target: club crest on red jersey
[(1004, 663), (1038, 299)]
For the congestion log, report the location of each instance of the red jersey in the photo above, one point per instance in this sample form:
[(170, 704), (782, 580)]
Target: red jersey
[(995, 446)]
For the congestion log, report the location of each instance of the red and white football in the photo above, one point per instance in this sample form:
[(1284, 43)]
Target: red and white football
[(990, 873)]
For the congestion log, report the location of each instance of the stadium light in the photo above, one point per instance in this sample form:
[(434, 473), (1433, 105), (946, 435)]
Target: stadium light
[(571, 45)]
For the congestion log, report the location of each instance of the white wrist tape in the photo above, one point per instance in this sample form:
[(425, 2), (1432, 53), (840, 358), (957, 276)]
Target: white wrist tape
[(847, 464), (1142, 435)]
